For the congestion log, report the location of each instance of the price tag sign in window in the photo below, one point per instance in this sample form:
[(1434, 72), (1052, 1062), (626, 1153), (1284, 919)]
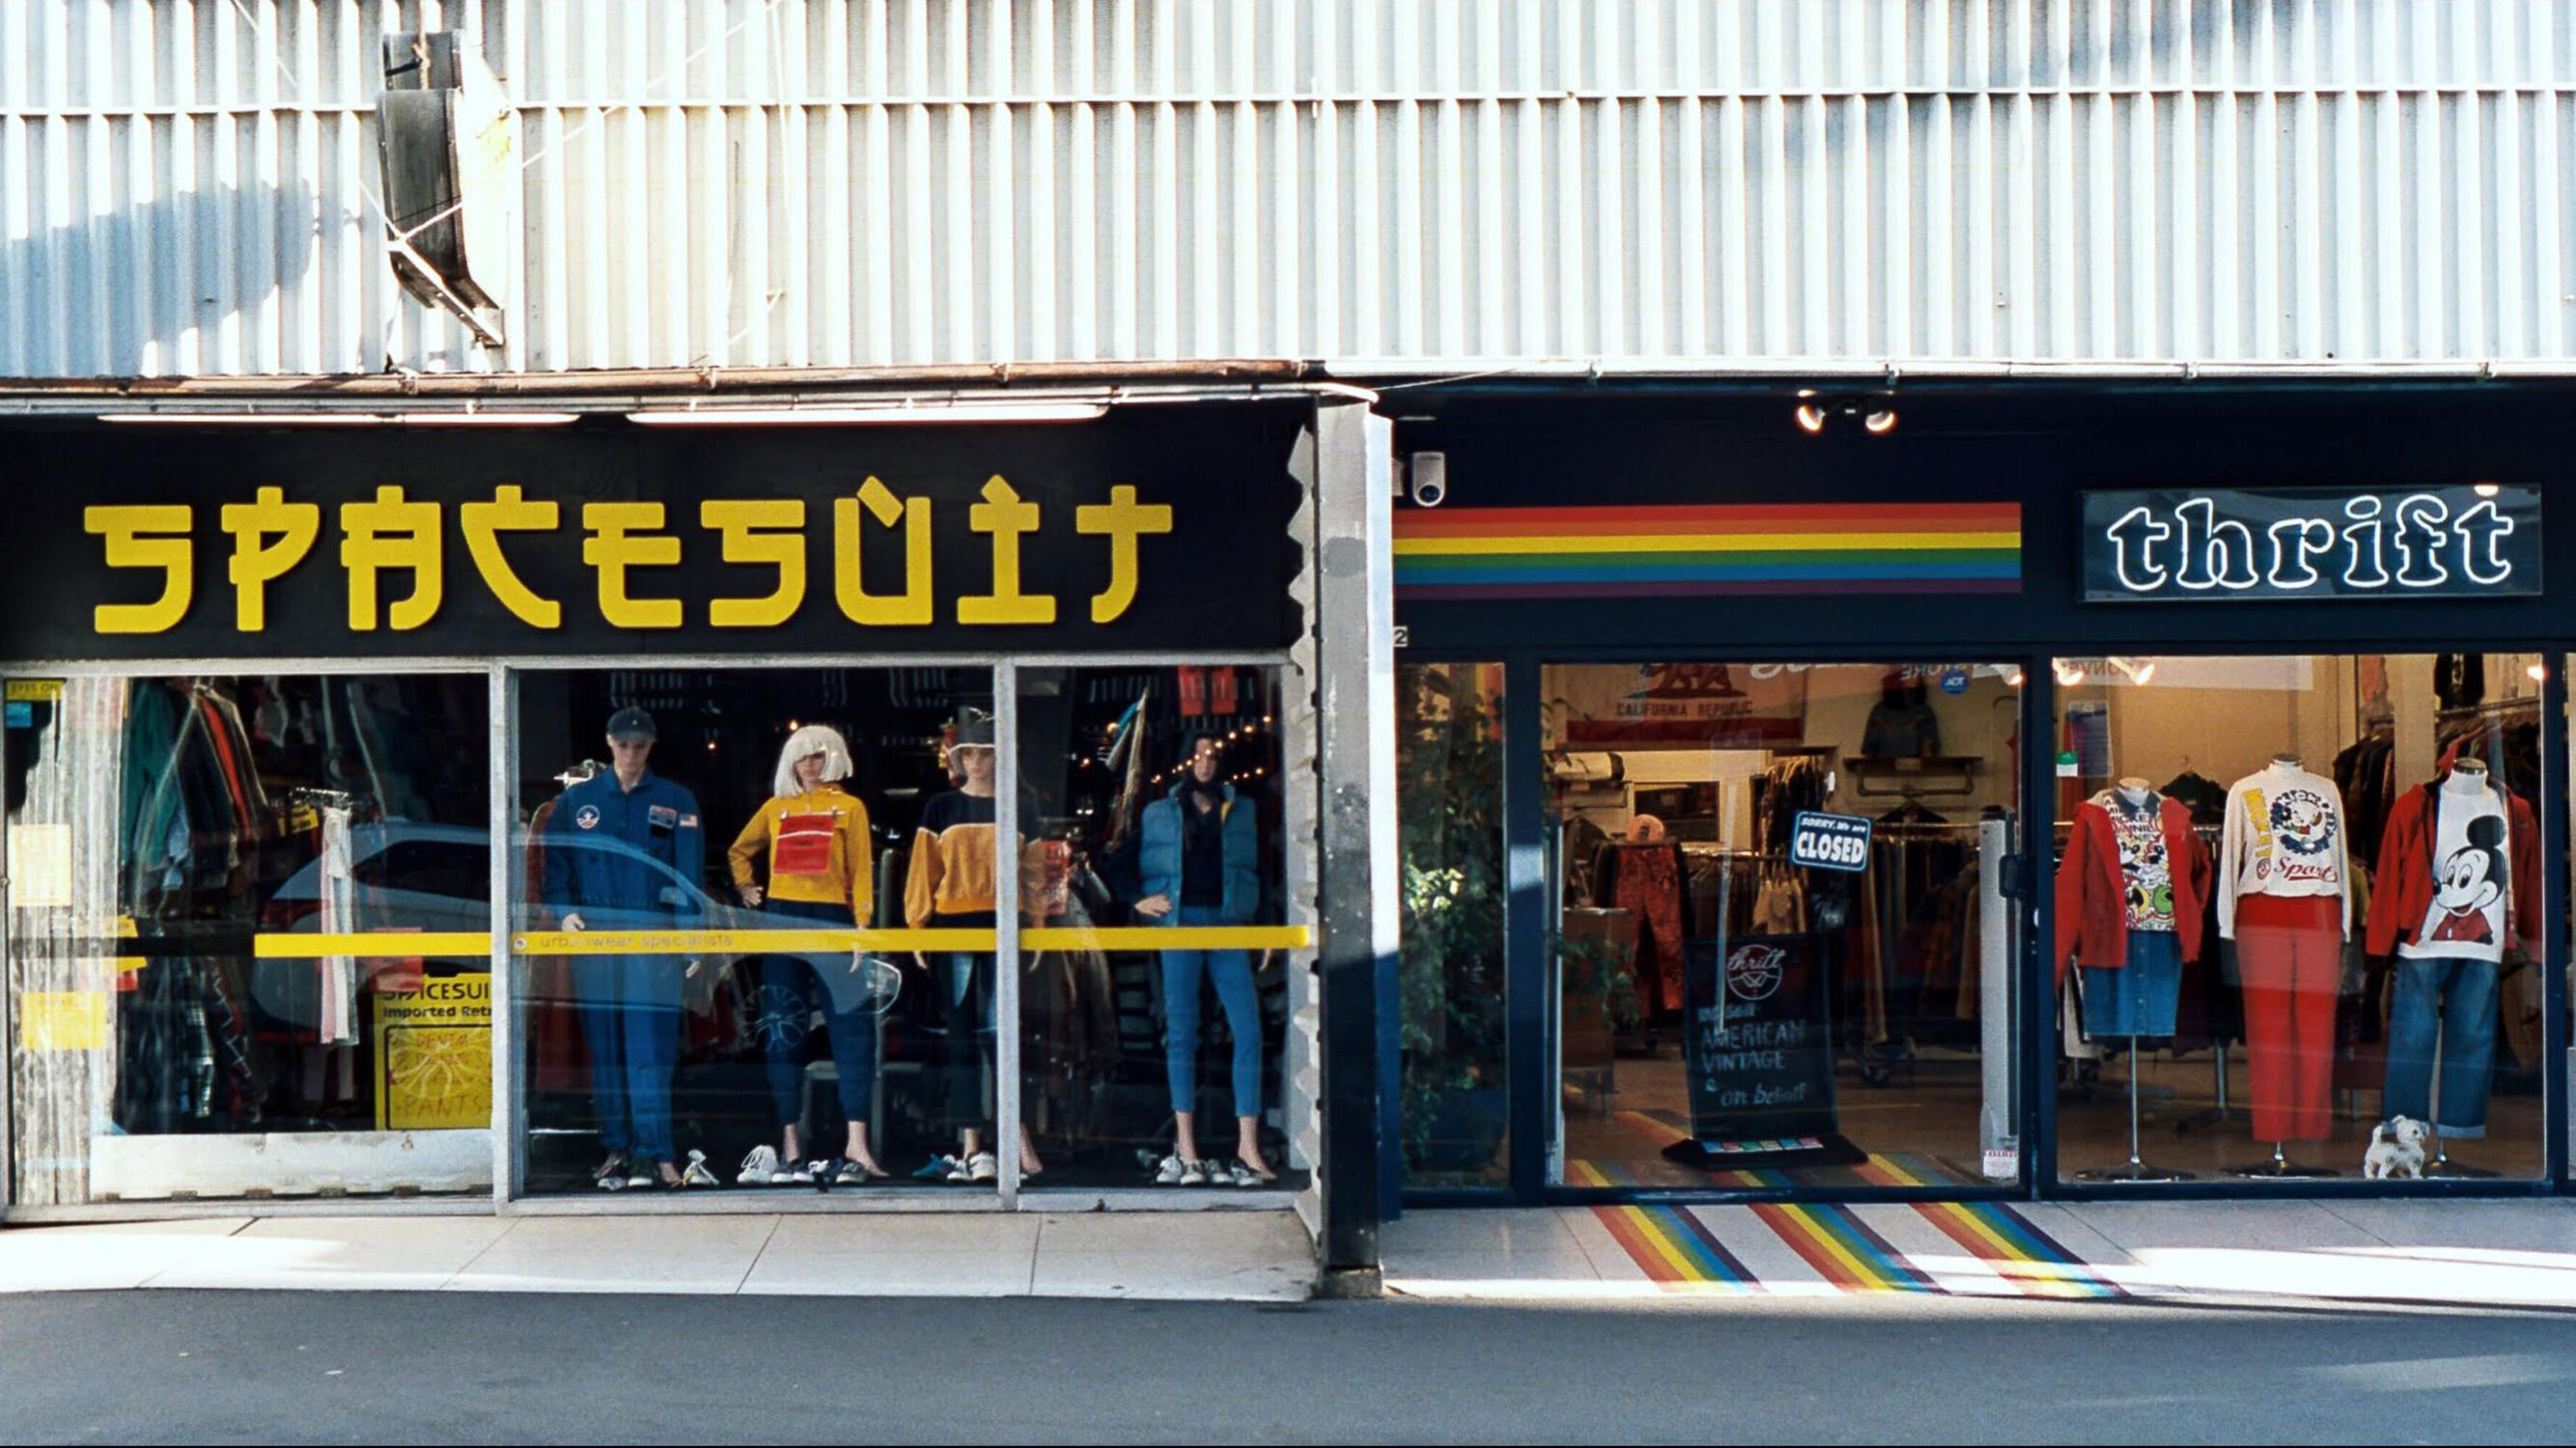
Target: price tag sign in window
[(1830, 842)]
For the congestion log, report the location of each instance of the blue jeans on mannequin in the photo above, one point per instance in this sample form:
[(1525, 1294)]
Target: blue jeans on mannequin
[(630, 1019), (792, 986), (963, 1083), (1231, 970), (2453, 1002)]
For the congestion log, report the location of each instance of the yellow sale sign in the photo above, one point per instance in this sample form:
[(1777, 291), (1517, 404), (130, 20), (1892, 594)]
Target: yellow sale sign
[(434, 1055)]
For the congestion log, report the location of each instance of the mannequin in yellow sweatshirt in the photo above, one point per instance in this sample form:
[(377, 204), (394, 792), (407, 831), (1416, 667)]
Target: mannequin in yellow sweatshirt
[(812, 837)]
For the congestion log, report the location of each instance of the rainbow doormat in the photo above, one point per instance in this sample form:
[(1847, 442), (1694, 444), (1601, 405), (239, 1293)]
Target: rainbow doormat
[(1714, 549)]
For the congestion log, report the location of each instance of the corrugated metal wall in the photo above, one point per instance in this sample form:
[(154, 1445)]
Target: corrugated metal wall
[(1407, 184)]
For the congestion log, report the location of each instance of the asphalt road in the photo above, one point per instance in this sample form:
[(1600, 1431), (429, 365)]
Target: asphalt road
[(269, 1367)]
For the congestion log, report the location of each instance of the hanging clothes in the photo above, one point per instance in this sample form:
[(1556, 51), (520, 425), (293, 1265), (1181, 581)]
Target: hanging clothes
[(2366, 773), (1901, 724), (2206, 798), (337, 1018), (1646, 881)]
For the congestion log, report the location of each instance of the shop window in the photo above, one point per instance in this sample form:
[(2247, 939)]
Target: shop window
[(1779, 957), (2298, 897), (674, 828), (1449, 815), (185, 855), (1157, 1045)]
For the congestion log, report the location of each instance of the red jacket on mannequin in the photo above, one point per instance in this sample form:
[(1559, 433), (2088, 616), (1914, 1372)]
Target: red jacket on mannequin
[(2093, 896), (2403, 892)]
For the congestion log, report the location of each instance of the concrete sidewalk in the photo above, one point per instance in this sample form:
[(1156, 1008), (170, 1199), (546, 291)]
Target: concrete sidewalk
[(2476, 1253), (1170, 1256)]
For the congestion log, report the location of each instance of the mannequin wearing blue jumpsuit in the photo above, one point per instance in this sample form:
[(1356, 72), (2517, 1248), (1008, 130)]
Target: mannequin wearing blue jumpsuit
[(601, 843)]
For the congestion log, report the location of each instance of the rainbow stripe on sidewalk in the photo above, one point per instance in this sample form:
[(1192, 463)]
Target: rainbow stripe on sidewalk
[(1678, 1248)]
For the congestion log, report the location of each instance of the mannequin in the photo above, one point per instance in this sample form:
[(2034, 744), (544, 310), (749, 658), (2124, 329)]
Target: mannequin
[(2129, 898), (1201, 866), (2285, 911), (2459, 886), (812, 838), (600, 836), (952, 884)]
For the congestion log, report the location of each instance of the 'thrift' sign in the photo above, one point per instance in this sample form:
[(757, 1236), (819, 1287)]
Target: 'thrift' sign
[(2478, 540)]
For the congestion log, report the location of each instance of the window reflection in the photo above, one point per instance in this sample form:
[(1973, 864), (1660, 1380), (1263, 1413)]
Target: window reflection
[(197, 864)]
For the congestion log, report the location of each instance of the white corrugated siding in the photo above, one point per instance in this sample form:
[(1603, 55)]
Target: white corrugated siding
[(1414, 184)]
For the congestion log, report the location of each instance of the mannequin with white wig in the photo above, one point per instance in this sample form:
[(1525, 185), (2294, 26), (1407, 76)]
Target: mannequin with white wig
[(812, 838)]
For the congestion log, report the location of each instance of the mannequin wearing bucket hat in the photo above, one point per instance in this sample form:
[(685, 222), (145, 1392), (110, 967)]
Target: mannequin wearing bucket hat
[(954, 883)]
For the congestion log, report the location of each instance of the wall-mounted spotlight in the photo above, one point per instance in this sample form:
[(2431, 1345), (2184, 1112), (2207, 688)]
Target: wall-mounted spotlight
[(1809, 413), (1873, 415)]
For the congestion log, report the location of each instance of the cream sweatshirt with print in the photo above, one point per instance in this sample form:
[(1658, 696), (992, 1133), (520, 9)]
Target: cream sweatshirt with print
[(2284, 836)]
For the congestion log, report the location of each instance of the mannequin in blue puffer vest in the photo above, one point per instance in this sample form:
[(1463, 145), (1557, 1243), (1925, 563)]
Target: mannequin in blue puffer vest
[(1199, 859)]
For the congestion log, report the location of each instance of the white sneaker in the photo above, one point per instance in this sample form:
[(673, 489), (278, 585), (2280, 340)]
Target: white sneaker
[(695, 1174), (984, 1167), (1169, 1173), (1194, 1173), (760, 1168)]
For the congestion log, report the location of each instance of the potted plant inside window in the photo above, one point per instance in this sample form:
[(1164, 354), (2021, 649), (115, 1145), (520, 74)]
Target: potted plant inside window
[(1449, 762)]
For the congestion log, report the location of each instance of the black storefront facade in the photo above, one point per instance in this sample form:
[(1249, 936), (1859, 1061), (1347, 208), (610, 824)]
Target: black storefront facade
[(1964, 614), (330, 888), (1676, 601)]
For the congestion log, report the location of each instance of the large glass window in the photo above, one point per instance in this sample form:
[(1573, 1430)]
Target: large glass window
[(1449, 814), (1781, 956), (695, 852), (2299, 899), (1156, 1006), (202, 871)]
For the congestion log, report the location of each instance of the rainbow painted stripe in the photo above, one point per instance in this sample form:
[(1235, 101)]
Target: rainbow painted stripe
[(1716, 549), (1677, 1249)]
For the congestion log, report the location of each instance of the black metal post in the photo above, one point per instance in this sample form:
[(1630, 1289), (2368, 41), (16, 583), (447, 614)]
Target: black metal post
[(1527, 1073), (2555, 1079)]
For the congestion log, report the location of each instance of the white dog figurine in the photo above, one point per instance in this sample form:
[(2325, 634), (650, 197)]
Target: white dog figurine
[(2396, 1150)]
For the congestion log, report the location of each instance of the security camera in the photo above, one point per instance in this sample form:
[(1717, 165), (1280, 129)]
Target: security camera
[(1428, 479)]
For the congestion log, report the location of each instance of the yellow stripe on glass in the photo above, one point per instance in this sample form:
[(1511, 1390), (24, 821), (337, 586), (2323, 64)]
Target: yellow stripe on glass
[(381, 945)]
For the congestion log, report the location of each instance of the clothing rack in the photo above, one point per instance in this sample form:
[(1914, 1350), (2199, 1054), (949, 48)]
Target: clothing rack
[(2493, 707), (1926, 830)]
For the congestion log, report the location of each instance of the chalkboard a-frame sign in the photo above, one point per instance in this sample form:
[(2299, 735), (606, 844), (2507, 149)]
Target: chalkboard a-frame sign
[(1760, 1055)]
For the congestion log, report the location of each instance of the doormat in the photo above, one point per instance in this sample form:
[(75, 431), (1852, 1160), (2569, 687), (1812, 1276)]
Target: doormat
[(1745, 1156), (1895, 1169)]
